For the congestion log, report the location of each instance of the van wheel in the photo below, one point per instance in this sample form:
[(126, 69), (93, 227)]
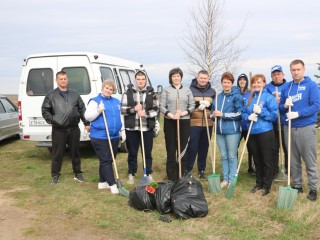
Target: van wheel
[(123, 148)]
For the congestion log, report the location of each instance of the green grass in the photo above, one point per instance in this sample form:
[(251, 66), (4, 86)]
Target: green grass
[(75, 210)]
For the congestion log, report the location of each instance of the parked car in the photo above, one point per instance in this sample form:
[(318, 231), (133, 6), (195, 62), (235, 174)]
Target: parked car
[(9, 118)]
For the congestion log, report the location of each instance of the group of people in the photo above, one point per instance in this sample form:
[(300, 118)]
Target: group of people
[(257, 111)]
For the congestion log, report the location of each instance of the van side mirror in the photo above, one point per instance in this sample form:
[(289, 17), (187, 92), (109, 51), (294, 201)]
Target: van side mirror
[(159, 89)]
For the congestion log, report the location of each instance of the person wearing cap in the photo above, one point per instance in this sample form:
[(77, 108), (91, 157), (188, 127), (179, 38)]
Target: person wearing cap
[(203, 95), (243, 84), (228, 113), (262, 114), (176, 104), (303, 95), (275, 87), (133, 109)]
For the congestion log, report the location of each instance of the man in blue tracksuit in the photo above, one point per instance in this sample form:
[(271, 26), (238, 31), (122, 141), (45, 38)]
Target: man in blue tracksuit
[(303, 96), (274, 87)]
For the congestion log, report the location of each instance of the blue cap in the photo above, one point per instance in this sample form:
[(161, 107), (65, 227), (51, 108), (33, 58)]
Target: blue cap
[(276, 68)]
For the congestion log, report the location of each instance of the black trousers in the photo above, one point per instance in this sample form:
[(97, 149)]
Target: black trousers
[(102, 149), (261, 147), (133, 141), (171, 136), (60, 139), (251, 167)]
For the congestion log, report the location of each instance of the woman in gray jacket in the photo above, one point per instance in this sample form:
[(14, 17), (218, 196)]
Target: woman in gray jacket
[(176, 104)]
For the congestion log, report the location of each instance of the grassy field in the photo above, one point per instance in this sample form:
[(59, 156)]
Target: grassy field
[(72, 210)]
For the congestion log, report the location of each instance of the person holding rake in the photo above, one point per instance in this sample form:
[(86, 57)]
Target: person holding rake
[(139, 103), (176, 104), (260, 142), (228, 112), (104, 102)]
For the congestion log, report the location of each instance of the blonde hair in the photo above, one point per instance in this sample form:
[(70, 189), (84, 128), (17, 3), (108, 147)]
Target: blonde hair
[(110, 83), (254, 79)]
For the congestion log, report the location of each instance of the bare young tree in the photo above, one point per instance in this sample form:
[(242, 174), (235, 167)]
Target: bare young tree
[(205, 45)]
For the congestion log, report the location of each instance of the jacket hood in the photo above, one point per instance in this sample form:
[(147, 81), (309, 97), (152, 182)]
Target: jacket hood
[(246, 78)]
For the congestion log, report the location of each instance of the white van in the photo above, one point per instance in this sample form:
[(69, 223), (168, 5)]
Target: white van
[(85, 70)]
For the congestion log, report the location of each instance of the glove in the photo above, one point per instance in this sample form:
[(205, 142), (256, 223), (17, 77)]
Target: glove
[(202, 106), (256, 109), (101, 107), (292, 115), (205, 102), (253, 117), (156, 129), (288, 102), (123, 135)]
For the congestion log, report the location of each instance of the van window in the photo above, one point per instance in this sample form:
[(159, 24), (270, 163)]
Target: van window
[(78, 79), (39, 82), (106, 74), (127, 76)]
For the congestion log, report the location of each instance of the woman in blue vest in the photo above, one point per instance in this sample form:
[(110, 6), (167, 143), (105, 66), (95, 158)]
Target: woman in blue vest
[(98, 135)]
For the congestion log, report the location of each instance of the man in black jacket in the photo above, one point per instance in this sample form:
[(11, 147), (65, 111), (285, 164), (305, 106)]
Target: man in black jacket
[(63, 108)]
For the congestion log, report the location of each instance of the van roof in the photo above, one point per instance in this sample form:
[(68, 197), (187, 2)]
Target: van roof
[(93, 58)]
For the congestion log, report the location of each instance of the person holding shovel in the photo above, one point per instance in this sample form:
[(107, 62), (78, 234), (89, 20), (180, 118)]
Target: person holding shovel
[(300, 101), (139, 102), (98, 135), (176, 104), (260, 142), (203, 96), (274, 87), (228, 112)]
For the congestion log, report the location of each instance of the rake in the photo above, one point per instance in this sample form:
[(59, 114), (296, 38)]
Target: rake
[(233, 183), (214, 178), (145, 180), (283, 176), (121, 189), (287, 196)]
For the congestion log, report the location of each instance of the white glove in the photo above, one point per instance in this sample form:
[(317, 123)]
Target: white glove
[(123, 136), (205, 102), (288, 102), (202, 106), (253, 117), (156, 129), (292, 115), (101, 107), (256, 109)]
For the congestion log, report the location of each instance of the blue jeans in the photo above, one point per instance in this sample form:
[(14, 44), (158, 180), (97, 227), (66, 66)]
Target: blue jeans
[(228, 146)]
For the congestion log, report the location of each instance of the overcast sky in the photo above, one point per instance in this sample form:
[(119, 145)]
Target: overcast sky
[(146, 31)]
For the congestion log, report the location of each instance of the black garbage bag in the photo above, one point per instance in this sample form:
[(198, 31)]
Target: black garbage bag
[(140, 199), (188, 200), (163, 197)]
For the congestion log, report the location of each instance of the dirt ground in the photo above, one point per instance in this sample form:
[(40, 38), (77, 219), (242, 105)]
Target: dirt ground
[(13, 220)]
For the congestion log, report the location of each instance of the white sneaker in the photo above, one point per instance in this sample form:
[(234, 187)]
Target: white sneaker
[(103, 185), (150, 178), (224, 184), (130, 179), (114, 189)]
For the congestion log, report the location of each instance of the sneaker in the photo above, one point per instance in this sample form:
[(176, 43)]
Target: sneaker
[(130, 179), (103, 185), (312, 196), (150, 178), (78, 177), (201, 175), (54, 180), (114, 189), (224, 184), (300, 190)]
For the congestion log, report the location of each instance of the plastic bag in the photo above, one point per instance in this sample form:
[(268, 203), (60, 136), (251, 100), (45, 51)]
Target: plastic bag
[(188, 200), (163, 197), (140, 199)]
